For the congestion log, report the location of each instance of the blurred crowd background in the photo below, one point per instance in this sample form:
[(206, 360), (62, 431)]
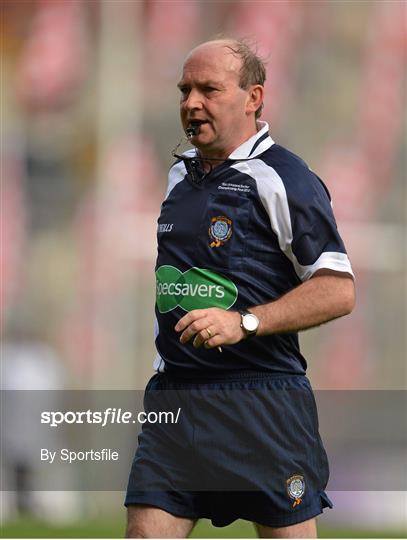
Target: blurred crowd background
[(89, 116)]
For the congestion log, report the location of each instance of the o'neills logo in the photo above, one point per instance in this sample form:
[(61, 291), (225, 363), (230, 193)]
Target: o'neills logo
[(196, 288)]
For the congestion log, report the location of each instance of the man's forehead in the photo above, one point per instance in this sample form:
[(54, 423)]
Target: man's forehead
[(215, 56)]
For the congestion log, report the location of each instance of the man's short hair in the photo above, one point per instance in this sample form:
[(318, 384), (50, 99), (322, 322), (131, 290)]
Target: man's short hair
[(253, 70)]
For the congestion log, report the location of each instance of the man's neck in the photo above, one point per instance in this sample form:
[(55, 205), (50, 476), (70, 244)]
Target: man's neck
[(214, 158), (211, 162)]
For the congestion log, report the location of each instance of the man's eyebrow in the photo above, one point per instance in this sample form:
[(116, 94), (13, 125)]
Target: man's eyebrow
[(209, 82)]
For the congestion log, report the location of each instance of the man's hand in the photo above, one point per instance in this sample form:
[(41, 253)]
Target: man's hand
[(210, 327)]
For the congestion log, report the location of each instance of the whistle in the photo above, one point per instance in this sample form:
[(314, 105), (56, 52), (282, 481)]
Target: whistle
[(191, 131)]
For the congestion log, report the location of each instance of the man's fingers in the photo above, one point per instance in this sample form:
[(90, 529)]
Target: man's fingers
[(203, 336), (211, 327), (194, 328), (187, 319), (213, 342)]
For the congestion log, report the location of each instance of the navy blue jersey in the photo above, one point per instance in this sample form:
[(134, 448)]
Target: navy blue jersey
[(257, 226)]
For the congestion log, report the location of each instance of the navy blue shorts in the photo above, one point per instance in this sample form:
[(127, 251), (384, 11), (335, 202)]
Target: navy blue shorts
[(243, 447)]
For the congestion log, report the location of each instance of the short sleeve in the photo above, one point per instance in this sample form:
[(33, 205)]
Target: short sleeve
[(300, 211)]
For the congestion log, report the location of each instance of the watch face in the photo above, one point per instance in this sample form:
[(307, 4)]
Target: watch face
[(250, 322)]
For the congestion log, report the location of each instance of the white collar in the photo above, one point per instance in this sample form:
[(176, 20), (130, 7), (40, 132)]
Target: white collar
[(245, 150)]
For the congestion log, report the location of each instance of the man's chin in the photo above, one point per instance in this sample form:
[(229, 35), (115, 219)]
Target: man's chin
[(202, 142)]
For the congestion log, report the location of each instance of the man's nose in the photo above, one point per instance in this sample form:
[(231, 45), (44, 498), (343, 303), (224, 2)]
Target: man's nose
[(193, 101)]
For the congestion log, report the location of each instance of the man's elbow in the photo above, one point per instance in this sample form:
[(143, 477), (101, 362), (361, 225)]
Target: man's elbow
[(348, 298)]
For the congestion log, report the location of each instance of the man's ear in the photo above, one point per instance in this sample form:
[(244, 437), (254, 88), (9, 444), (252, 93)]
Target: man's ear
[(254, 98)]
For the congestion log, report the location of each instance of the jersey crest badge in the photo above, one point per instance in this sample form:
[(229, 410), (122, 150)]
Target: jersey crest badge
[(220, 230), (296, 488)]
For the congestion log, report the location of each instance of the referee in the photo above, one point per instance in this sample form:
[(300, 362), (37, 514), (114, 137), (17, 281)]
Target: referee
[(248, 255)]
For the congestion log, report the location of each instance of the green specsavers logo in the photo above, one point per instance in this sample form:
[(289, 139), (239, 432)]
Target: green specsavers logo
[(196, 288)]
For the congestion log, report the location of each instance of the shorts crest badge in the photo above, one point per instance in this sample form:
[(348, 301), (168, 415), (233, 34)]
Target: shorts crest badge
[(296, 488), (220, 230)]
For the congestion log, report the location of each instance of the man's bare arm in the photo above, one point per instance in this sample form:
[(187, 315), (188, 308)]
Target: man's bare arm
[(326, 296)]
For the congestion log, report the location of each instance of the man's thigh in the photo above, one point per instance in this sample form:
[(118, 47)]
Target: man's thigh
[(151, 522), (306, 529)]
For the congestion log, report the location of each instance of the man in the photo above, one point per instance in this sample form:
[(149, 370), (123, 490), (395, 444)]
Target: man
[(248, 255)]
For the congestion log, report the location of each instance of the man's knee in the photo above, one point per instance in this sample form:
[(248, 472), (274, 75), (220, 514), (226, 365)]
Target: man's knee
[(135, 531), (135, 527), (305, 529), (152, 522)]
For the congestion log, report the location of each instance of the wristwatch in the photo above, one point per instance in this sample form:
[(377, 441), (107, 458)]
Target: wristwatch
[(249, 322)]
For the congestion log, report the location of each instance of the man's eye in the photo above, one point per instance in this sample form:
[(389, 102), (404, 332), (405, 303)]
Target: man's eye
[(209, 89)]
